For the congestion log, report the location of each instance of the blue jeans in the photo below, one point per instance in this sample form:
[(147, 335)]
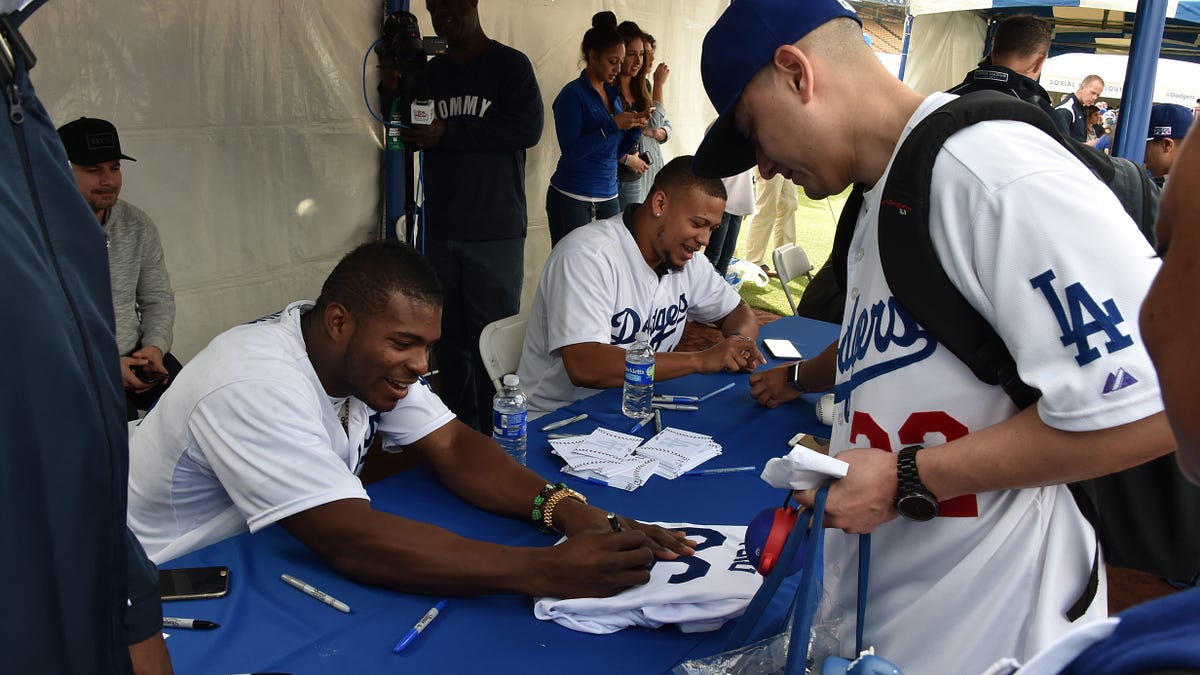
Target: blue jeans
[(567, 213), (481, 283), (722, 242)]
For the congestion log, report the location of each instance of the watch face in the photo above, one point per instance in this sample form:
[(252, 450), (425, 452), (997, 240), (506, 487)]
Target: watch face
[(917, 506)]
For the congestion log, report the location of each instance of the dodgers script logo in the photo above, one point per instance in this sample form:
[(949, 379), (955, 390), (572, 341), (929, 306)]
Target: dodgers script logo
[(661, 324), (885, 334)]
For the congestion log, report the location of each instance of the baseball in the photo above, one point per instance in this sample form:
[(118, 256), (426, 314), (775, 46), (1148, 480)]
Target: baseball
[(825, 408)]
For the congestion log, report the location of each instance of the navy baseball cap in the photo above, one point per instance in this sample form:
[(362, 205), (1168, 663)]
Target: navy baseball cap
[(742, 41), (1168, 120), (90, 141)]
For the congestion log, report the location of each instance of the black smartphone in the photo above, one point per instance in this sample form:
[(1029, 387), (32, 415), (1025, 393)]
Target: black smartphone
[(190, 583), (644, 156), (149, 377)]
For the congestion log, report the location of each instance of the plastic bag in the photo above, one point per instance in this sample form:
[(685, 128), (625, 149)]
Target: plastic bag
[(748, 272)]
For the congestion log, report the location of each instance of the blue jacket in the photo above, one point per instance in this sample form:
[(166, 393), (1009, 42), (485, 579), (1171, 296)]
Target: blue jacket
[(589, 139)]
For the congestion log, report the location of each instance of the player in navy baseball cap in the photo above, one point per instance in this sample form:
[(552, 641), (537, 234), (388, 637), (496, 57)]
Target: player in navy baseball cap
[(742, 43), (1169, 124), (90, 141)]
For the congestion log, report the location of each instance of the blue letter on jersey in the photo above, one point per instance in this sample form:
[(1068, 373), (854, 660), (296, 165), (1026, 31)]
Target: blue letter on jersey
[(1074, 328)]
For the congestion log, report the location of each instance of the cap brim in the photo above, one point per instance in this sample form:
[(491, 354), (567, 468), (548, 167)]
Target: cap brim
[(724, 151), (128, 158)]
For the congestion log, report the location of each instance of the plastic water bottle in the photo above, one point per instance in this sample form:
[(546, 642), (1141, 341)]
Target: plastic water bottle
[(639, 378), (509, 411)]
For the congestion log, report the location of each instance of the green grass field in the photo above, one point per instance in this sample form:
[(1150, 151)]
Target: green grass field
[(815, 225)]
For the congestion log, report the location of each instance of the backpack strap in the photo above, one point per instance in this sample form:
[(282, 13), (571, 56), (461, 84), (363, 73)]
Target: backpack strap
[(845, 233), (910, 262)]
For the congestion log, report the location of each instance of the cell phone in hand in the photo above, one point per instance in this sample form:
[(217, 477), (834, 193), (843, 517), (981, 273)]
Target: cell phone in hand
[(149, 376), (644, 156), (191, 583), (781, 349)]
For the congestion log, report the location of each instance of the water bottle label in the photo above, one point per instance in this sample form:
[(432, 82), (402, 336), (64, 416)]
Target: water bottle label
[(508, 425), (639, 374)]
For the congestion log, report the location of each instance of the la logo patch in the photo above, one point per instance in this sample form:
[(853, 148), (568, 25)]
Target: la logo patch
[(1077, 329)]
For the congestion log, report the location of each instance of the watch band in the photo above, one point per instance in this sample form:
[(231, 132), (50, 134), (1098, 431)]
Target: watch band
[(794, 377), (914, 501)]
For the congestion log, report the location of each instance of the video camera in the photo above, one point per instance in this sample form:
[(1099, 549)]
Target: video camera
[(401, 47)]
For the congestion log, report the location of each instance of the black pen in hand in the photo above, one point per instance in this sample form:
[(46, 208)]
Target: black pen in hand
[(613, 522)]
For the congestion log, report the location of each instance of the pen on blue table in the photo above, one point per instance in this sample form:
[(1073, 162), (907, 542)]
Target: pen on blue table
[(554, 436), (562, 423), (597, 481), (675, 406), (421, 625), (194, 624), (657, 421), (716, 472), (715, 392), (671, 398), (315, 593), (613, 522), (638, 427)]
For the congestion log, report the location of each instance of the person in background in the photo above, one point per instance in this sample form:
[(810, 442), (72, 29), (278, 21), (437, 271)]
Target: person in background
[(952, 481), (738, 204), (635, 96), (1169, 125), (81, 597), (593, 130), (658, 129), (270, 423), (774, 216), (1071, 110), (143, 301), (1095, 124), (489, 113), (1020, 47), (637, 271)]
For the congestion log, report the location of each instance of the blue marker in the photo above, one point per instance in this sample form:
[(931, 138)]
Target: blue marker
[(597, 481), (715, 392), (645, 420), (717, 472), (421, 625), (666, 398)]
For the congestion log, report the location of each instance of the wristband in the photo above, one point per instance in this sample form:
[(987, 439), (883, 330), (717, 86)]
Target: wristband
[(539, 502), (794, 377), (552, 502)]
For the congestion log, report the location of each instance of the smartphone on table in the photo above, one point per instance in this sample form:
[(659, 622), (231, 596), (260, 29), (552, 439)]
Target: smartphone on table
[(781, 349), (191, 583)]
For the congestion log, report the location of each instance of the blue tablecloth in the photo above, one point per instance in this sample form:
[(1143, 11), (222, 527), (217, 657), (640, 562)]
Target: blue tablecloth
[(268, 626)]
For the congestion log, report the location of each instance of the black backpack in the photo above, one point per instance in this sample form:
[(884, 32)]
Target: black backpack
[(1146, 517)]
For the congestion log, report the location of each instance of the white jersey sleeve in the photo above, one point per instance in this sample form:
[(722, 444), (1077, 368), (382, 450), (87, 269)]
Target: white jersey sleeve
[(417, 415), (698, 593), (712, 297)]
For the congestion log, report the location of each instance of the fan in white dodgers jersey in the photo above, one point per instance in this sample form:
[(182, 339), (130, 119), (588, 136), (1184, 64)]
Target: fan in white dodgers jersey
[(997, 573), (639, 270), (271, 421)]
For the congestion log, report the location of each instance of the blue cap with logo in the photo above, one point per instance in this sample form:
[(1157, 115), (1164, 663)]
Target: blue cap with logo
[(1168, 120), (742, 41)]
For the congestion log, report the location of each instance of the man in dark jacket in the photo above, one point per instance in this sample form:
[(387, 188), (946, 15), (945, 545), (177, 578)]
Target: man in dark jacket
[(1071, 111), (1019, 50)]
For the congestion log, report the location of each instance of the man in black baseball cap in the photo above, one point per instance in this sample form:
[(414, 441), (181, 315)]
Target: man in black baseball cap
[(90, 141), (143, 301)]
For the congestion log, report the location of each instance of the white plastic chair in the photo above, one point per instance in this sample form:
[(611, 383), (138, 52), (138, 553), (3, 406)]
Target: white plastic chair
[(791, 262), (500, 346)]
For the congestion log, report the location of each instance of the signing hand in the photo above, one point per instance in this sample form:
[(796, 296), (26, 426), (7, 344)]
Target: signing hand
[(770, 387), (666, 544), (865, 498), (732, 355), (595, 563)]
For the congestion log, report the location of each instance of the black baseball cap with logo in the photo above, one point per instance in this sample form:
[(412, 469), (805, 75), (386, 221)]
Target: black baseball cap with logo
[(90, 141)]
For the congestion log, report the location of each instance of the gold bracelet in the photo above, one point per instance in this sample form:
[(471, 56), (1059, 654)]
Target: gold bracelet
[(552, 501)]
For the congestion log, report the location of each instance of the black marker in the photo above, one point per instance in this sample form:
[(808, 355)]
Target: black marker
[(194, 624), (613, 522)]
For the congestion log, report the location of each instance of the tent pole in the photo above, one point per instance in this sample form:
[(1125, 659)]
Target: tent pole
[(394, 171), (908, 19), (1149, 22)]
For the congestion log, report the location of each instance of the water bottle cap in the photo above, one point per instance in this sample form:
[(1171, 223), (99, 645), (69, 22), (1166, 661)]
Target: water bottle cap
[(511, 380), (642, 335)]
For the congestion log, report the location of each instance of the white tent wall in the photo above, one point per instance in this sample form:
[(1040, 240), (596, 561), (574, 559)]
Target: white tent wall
[(942, 48), (256, 156)]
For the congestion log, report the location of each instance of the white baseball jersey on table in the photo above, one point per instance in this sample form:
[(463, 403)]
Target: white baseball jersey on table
[(1045, 252), (247, 436), (597, 287), (698, 593)]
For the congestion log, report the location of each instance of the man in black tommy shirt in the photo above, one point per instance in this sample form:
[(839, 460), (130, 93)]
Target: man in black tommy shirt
[(488, 112)]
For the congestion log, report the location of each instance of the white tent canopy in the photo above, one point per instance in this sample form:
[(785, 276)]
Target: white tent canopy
[(256, 155)]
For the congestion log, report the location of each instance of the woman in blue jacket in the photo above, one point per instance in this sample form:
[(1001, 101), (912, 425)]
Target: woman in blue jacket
[(593, 131)]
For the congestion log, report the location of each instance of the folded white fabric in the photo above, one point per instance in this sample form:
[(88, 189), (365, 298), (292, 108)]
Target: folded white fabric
[(698, 593), (802, 469)]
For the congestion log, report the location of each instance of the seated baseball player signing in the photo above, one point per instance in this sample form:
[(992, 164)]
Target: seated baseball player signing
[(270, 424), (637, 271)]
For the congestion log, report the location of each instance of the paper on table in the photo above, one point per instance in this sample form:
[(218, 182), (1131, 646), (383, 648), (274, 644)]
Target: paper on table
[(679, 451), (802, 469)]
